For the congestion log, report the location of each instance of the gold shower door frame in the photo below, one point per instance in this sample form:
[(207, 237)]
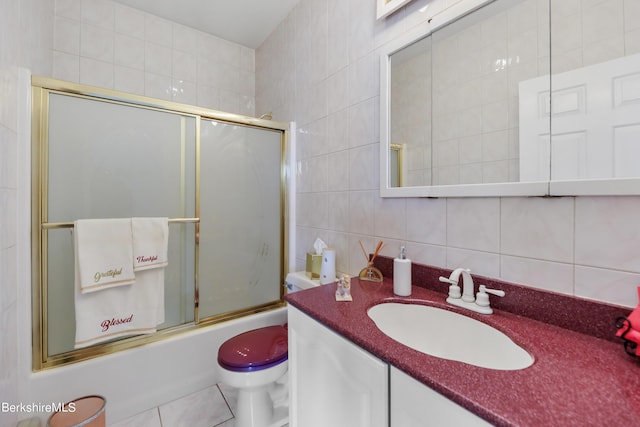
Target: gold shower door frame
[(41, 89)]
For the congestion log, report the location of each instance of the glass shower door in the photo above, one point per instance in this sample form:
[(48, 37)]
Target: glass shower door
[(110, 160), (241, 221)]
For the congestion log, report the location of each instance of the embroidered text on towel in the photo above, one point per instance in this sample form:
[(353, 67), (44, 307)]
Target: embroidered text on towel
[(111, 273), (141, 259), (108, 323)]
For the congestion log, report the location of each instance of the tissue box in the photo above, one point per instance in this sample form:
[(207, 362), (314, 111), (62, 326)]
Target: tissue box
[(314, 262)]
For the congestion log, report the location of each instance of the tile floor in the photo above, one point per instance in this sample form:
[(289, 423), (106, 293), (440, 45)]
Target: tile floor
[(211, 407)]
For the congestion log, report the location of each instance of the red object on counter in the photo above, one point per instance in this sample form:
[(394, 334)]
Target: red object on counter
[(629, 329)]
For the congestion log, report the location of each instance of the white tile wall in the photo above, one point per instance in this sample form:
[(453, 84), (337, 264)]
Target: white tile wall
[(8, 250), (103, 43), (25, 41), (580, 246)]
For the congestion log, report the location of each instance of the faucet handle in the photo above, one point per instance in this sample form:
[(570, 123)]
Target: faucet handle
[(482, 297), (454, 289), (448, 280)]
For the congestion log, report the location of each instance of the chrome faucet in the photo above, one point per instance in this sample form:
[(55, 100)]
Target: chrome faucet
[(466, 298)]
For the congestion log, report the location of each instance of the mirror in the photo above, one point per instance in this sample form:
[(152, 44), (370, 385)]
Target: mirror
[(485, 100)]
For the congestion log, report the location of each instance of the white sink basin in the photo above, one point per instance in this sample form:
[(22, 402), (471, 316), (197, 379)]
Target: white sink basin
[(449, 335)]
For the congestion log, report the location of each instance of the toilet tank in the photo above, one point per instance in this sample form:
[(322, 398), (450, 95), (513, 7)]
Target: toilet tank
[(298, 281)]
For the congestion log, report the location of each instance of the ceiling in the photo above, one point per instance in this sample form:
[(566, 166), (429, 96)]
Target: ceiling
[(246, 22)]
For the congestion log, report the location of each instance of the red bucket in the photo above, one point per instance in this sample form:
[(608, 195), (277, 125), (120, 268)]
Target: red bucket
[(88, 411)]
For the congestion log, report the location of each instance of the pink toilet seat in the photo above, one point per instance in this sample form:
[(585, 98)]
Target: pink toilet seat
[(255, 350)]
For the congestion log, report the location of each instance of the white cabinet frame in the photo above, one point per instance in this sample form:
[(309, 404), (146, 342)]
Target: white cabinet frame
[(387, 7)]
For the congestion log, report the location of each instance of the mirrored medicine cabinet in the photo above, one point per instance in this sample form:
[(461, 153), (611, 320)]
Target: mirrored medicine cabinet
[(512, 98)]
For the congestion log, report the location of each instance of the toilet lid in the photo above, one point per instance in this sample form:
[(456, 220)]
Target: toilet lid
[(254, 350)]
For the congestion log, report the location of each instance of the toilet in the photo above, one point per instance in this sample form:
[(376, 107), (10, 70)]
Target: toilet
[(253, 361)]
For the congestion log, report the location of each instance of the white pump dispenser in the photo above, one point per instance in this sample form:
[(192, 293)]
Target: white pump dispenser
[(402, 274)]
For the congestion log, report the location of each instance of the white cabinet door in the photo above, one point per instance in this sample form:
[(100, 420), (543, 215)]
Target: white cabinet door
[(333, 381), (415, 405)]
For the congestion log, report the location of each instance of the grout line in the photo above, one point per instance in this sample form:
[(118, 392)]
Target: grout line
[(226, 401)]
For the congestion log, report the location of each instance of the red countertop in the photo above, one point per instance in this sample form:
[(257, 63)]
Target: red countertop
[(577, 379)]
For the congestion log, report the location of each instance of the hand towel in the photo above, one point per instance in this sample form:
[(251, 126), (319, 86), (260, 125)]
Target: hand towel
[(103, 253), (150, 247), (150, 242)]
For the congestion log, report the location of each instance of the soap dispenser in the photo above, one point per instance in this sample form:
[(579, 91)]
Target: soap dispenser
[(402, 274)]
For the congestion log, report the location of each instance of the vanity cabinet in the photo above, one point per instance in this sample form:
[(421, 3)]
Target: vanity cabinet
[(415, 405), (333, 381)]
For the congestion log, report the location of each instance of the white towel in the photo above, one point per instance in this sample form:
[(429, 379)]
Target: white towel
[(103, 253), (153, 281), (150, 247), (150, 242), (115, 311)]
